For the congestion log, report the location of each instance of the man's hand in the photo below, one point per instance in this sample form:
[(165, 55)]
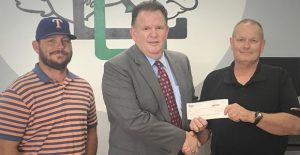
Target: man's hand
[(191, 144), (198, 124), (237, 113)]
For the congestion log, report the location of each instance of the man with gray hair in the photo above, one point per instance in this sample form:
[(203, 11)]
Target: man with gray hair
[(260, 99)]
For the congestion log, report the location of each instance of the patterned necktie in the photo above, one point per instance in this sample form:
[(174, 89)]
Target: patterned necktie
[(166, 87)]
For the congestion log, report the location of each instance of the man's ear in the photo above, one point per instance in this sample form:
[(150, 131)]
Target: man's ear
[(263, 46), (167, 33), (35, 46), (133, 33), (231, 41)]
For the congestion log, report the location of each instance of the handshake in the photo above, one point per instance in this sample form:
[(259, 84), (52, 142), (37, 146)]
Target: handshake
[(197, 136)]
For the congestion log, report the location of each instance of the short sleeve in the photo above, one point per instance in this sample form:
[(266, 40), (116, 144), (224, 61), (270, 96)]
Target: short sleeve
[(14, 116), (92, 113), (288, 95)]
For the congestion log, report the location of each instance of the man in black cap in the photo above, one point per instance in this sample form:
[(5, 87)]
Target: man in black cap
[(49, 110)]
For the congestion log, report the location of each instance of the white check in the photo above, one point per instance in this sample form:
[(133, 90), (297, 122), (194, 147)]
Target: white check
[(212, 109)]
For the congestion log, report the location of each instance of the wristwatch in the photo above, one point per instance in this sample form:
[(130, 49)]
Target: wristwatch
[(258, 117)]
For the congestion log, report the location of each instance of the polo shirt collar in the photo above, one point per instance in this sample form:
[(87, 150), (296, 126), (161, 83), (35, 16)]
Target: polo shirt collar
[(44, 77), (258, 75)]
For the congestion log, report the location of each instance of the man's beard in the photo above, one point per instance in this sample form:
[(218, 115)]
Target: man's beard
[(53, 64)]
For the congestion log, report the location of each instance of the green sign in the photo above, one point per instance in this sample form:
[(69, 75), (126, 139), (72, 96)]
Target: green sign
[(102, 52)]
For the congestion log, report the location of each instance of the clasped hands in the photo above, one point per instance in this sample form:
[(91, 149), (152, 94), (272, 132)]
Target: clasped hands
[(192, 143)]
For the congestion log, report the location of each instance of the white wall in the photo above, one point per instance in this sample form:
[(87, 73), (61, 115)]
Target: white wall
[(209, 27)]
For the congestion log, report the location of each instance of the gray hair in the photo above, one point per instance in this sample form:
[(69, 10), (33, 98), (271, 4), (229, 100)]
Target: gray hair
[(252, 21)]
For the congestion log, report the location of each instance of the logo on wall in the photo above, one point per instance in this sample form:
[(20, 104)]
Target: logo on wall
[(122, 9), (85, 12), (82, 16), (204, 27)]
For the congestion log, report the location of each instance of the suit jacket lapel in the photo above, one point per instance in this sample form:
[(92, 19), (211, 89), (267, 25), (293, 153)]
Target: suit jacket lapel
[(179, 76), (147, 72)]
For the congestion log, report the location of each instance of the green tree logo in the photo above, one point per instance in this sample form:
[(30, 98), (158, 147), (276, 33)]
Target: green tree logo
[(102, 33)]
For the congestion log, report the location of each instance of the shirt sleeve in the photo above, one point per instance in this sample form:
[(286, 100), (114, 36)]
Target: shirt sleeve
[(288, 95), (92, 113), (14, 116)]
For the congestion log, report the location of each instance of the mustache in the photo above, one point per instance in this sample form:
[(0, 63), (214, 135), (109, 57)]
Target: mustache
[(58, 52)]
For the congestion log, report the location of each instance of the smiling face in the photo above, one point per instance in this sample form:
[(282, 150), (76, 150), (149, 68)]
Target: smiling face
[(247, 43), (54, 51), (150, 32)]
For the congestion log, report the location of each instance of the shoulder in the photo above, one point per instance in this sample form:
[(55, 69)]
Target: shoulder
[(22, 85), (81, 82), (177, 58), (272, 68), (124, 58), (217, 76), (273, 71), (23, 81), (219, 73), (175, 54)]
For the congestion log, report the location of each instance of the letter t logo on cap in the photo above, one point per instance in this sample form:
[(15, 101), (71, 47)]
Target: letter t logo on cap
[(57, 22)]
